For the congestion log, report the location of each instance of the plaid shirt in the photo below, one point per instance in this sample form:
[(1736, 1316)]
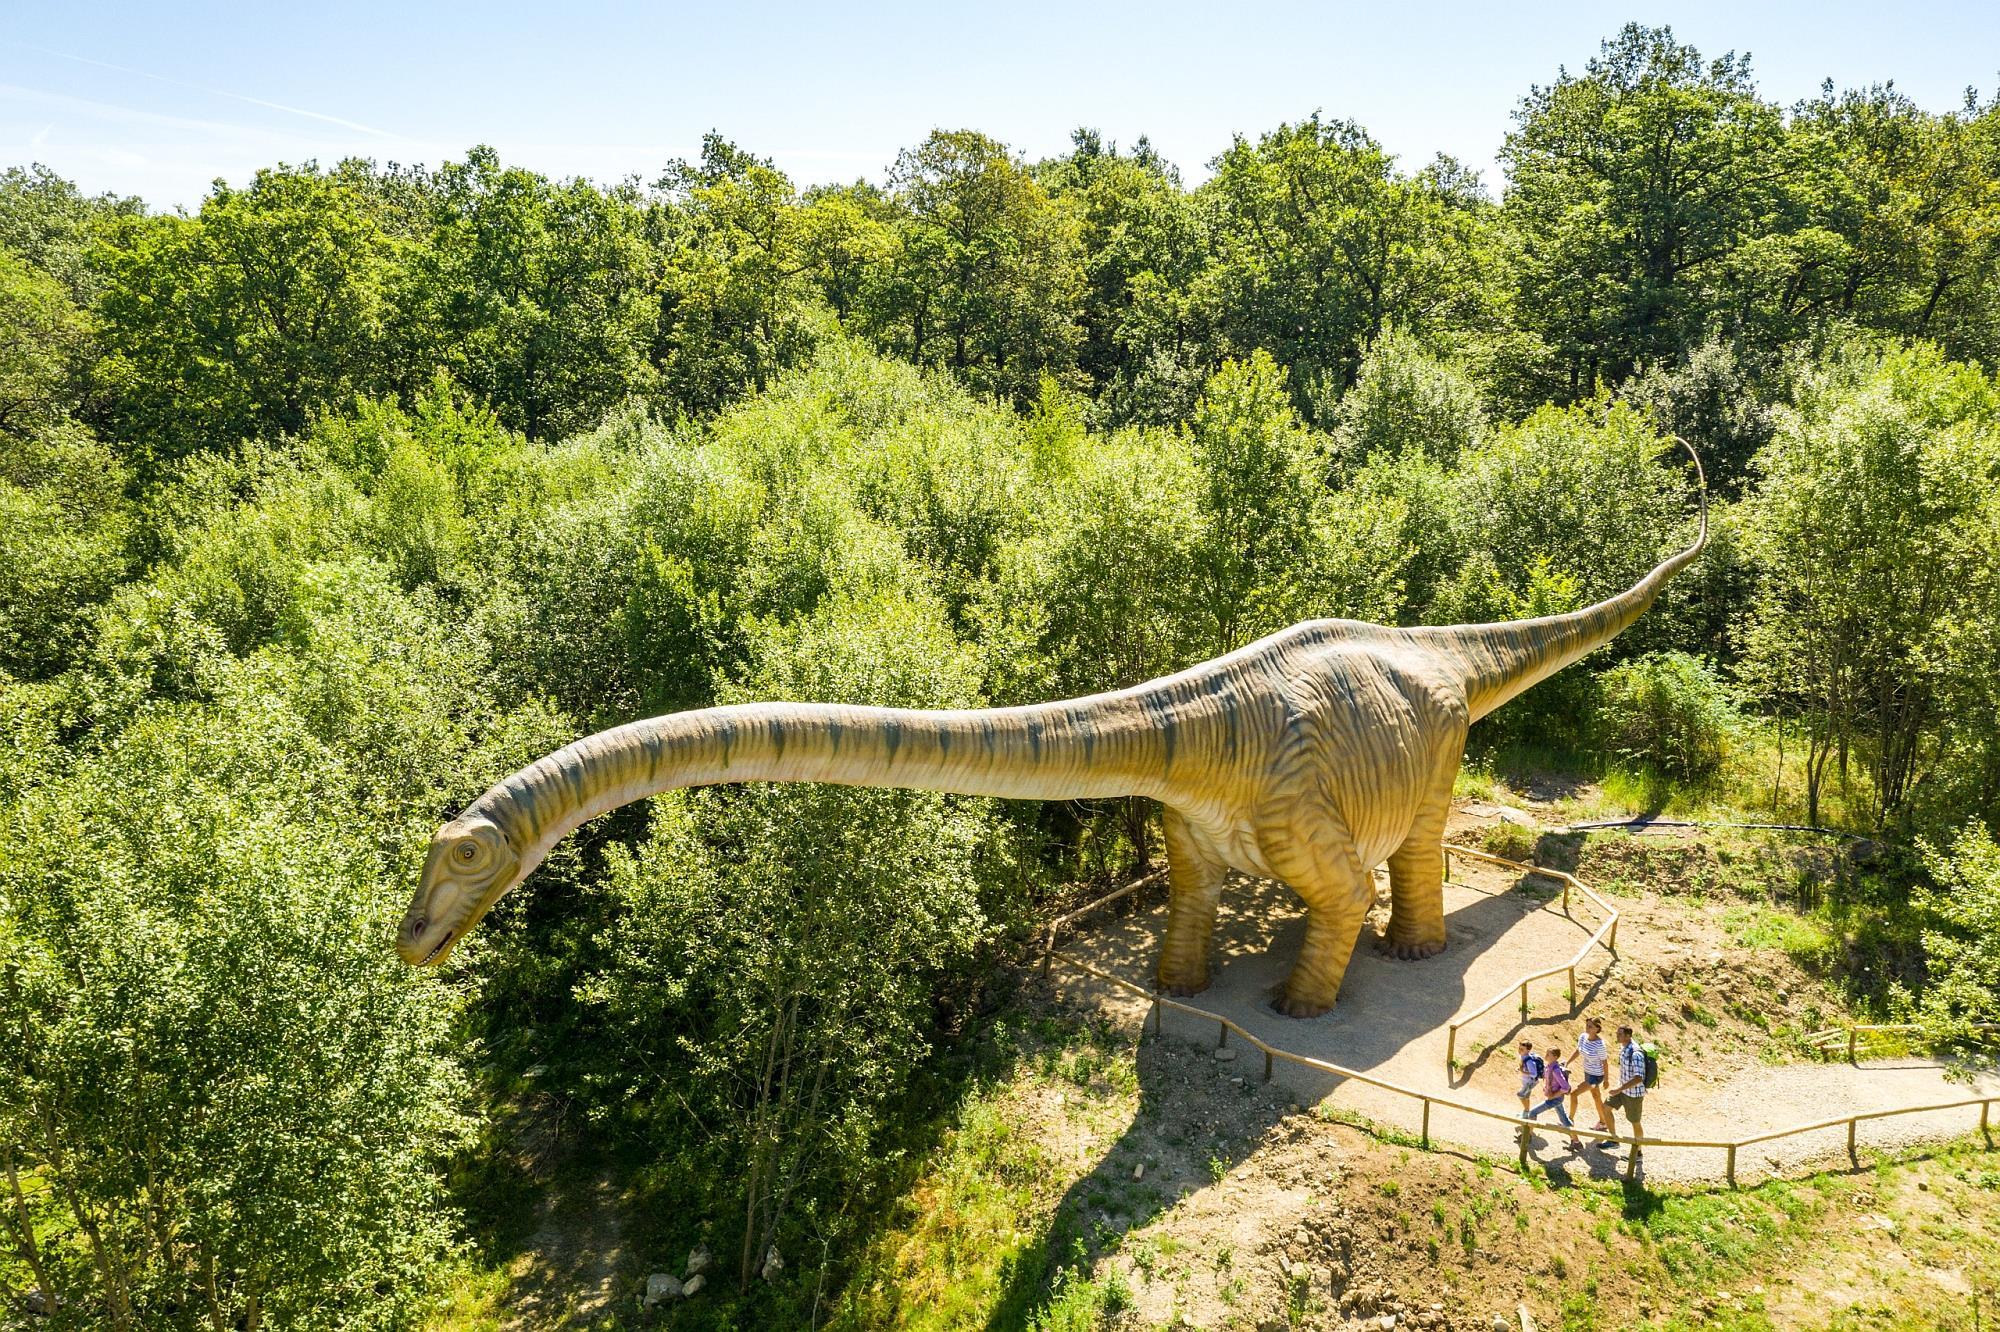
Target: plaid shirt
[(1632, 1068)]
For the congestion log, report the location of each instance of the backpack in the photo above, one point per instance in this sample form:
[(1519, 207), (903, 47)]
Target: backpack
[(1558, 1079), (1652, 1058), (1533, 1066)]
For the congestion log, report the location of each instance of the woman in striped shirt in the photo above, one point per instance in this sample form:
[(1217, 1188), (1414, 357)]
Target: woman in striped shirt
[(1596, 1054)]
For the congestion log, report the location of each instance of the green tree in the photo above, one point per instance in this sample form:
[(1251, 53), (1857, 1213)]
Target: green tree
[(986, 276), (1321, 245), (771, 975), (1871, 529), (43, 337), (1634, 190), (56, 228), (1961, 935), (1274, 546), (234, 1097), (737, 295), (1668, 710), (540, 296), (244, 319), (1405, 400), (1148, 317)]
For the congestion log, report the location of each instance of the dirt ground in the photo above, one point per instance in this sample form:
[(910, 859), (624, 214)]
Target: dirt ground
[(1722, 1015), (1218, 1201)]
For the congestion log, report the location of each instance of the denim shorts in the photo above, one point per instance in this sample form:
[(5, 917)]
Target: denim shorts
[(1593, 1079)]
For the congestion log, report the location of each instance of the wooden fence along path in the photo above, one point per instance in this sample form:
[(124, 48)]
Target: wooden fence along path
[(1606, 934)]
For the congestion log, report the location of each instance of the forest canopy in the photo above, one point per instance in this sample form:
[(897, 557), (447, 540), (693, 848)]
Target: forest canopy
[(328, 503)]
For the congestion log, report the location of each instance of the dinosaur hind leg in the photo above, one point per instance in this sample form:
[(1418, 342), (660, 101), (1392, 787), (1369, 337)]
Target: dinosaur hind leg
[(1314, 854), (1194, 891), (1416, 880)]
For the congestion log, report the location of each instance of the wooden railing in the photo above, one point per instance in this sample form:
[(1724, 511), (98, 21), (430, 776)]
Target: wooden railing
[(1524, 1130), (1606, 934), (1855, 1033)]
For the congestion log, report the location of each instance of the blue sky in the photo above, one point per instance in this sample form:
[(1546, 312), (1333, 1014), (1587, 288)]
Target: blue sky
[(158, 99)]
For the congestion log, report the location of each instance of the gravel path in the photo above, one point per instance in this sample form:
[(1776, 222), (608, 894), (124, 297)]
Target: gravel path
[(1390, 1023)]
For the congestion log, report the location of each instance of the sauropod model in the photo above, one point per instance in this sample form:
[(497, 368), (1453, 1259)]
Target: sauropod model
[(1309, 756)]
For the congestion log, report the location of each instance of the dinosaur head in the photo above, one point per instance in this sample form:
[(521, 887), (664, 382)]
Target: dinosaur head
[(471, 863)]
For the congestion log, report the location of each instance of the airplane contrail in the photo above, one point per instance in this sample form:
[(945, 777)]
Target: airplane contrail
[(212, 92)]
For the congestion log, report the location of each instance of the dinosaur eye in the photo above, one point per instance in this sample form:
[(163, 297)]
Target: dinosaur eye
[(468, 851)]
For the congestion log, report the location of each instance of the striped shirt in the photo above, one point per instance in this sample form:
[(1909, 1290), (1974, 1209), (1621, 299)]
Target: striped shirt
[(1632, 1068), (1594, 1052)]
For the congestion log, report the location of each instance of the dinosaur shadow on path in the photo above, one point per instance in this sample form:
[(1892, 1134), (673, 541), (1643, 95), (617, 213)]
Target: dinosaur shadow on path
[(1200, 1118), (1391, 1014)]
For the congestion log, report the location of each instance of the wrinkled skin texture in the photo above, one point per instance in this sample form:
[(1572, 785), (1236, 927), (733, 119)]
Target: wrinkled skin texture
[(1309, 756)]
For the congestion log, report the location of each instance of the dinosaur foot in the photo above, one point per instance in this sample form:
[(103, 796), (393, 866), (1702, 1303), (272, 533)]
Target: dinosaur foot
[(1301, 1006), (1410, 950), (1185, 988)]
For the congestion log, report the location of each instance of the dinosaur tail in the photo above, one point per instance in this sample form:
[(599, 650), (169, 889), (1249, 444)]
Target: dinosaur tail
[(1107, 745), (1500, 661)]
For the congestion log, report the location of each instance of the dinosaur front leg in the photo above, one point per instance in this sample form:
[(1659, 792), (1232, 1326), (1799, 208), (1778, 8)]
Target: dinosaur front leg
[(1194, 888), (1316, 857)]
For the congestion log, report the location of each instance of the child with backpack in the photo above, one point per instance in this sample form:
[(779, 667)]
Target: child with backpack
[(1531, 1073), (1555, 1085)]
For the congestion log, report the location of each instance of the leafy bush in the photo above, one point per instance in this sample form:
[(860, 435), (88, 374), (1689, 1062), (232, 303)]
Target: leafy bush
[(1667, 710), (232, 1092), (1962, 934), (1404, 400), (780, 954)]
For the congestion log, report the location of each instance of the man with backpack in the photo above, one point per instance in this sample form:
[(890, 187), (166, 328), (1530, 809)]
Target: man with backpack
[(1628, 1094)]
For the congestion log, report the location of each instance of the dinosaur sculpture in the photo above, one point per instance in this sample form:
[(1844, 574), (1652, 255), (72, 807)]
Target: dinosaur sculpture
[(1309, 756)]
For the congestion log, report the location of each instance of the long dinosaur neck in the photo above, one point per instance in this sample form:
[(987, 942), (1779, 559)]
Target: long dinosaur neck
[(1100, 746), (1500, 661)]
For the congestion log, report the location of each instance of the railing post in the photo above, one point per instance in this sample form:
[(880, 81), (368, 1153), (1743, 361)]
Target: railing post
[(1850, 1044), (1450, 1048), (1574, 997), (1985, 1113), (1267, 1065), (1524, 999), (1221, 1033), (1565, 894), (1730, 1169), (1851, 1155), (1158, 1017), (1048, 952), (1524, 1149), (1427, 1123), (1611, 939)]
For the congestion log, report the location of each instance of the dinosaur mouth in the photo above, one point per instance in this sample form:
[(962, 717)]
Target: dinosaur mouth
[(438, 951)]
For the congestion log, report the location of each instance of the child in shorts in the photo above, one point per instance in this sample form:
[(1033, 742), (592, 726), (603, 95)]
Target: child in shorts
[(1531, 1073)]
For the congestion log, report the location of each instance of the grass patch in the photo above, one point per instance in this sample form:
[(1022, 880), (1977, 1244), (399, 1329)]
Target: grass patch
[(1699, 1237)]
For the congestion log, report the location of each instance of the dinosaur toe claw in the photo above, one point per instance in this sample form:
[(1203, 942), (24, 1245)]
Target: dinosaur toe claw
[(1303, 1008)]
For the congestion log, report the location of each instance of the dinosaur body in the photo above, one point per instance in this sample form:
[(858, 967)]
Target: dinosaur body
[(1309, 756)]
